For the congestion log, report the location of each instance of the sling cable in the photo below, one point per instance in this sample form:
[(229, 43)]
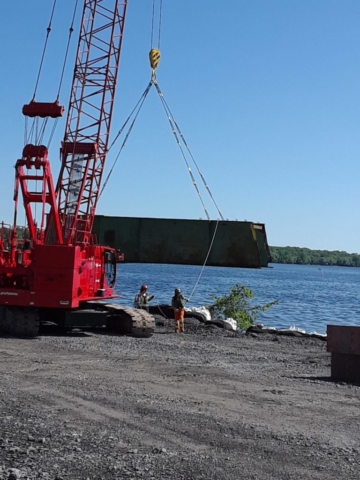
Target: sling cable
[(40, 112), (154, 58), (45, 110)]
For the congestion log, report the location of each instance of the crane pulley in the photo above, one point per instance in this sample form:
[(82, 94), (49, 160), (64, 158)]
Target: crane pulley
[(154, 56)]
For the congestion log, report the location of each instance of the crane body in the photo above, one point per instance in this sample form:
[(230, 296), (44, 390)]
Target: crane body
[(53, 269)]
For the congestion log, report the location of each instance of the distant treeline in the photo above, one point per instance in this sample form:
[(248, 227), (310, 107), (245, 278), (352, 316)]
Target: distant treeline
[(305, 256)]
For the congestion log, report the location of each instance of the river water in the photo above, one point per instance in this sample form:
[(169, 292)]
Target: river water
[(310, 297)]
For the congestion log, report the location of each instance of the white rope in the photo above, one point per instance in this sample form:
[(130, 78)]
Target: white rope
[(206, 259), (202, 268)]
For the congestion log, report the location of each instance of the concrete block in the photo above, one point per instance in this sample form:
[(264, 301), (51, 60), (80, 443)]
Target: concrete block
[(345, 367), (343, 339)]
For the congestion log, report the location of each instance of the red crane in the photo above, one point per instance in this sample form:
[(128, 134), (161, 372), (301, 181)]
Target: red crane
[(55, 270)]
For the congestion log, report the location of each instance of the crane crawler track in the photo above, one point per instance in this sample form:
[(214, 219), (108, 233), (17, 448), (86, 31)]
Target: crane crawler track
[(19, 322), (125, 320), (130, 321)]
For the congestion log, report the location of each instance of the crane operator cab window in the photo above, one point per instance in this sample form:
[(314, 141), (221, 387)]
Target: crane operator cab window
[(110, 267)]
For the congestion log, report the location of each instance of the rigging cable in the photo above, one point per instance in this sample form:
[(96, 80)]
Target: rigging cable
[(48, 30), (201, 271), (160, 16), (40, 136), (206, 259), (170, 118), (154, 56), (138, 106), (35, 126), (133, 110), (177, 132), (25, 131), (154, 62), (31, 133), (71, 29), (153, 23), (199, 171), (161, 96), (52, 133), (42, 131)]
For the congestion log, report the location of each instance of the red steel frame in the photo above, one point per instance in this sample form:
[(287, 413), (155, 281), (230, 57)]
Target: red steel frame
[(36, 158)]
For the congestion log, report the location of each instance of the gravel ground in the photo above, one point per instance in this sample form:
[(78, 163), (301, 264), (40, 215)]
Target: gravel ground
[(207, 404)]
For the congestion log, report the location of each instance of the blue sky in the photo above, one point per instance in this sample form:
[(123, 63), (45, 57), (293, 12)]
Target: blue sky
[(266, 93)]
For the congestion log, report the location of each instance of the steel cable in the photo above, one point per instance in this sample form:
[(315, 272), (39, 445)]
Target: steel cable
[(160, 19), (52, 133), (170, 115), (48, 30), (138, 106), (71, 29), (146, 91), (206, 259), (175, 130), (152, 25)]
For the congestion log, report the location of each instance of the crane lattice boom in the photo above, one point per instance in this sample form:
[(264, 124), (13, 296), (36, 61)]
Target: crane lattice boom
[(89, 116)]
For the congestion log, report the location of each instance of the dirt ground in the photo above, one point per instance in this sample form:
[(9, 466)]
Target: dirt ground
[(206, 404)]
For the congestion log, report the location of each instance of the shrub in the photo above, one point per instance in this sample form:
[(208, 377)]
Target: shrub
[(237, 305)]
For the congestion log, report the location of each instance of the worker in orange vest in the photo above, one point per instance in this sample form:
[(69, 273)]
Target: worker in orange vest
[(178, 304)]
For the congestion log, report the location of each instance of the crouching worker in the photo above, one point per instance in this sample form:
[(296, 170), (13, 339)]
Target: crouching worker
[(178, 304), (142, 299)]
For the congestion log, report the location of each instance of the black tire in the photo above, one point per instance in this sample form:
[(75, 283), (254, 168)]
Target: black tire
[(198, 316), (220, 324)]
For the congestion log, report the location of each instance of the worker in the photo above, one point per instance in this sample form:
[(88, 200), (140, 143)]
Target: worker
[(142, 299), (178, 304)]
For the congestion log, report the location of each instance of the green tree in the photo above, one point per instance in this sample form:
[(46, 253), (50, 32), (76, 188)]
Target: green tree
[(305, 256), (237, 305)]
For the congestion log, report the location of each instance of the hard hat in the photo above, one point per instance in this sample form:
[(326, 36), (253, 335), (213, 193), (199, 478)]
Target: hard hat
[(177, 290), (143, 287)]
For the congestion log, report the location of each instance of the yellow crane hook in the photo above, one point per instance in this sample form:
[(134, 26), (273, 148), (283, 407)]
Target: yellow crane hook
[(154, 56)]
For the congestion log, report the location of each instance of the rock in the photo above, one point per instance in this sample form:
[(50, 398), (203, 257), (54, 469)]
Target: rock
[(14, 449), (14, 474)]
